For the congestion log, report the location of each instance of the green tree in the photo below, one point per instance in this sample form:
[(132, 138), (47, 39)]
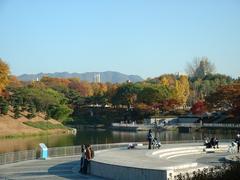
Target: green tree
[(3, 106), (126, 94), (59, 112)]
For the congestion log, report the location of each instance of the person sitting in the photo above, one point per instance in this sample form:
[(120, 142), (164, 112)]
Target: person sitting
[(207, 143), (216, 142)]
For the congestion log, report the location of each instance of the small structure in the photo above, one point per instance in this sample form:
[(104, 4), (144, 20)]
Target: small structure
[(156, 120), (44, 151)]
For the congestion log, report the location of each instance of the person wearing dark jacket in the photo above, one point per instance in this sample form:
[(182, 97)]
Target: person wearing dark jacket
[(149, 138), (82, 159), (87, 159), (237, 140)]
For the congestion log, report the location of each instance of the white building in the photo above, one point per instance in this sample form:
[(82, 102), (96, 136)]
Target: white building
[(97, 78)]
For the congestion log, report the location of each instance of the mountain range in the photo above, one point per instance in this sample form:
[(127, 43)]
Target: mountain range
[(107, 76)]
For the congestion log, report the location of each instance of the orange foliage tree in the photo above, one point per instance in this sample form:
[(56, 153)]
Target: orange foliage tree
[(4, 72), (226, 98)]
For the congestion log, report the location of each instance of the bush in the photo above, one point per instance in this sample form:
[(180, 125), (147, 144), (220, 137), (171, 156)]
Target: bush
[(224, 172)]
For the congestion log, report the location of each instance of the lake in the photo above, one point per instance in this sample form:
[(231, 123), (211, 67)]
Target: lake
[(101, 136)]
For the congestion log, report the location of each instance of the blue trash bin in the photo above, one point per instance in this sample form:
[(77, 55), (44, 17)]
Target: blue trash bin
[(44, 151)]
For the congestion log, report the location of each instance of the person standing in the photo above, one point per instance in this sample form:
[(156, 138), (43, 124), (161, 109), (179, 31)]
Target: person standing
[(237, 140), (88, 157), (149, 138), (82, 158)]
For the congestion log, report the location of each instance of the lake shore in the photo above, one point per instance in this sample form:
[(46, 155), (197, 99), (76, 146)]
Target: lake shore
[(23, 127)]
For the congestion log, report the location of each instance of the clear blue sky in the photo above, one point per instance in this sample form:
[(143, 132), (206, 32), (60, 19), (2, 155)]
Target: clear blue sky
[(147, 38)]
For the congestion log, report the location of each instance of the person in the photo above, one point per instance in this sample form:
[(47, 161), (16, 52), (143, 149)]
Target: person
[(92, 152), (207, 143), (216, 141), (237, 140), (149, 138), (212, 142), (87, 159), (82, 158)]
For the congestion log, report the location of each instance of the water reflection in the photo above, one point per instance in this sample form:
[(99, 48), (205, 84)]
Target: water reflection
[(92, 136)]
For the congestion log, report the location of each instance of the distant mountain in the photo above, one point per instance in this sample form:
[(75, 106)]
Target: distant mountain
[(107, 76)]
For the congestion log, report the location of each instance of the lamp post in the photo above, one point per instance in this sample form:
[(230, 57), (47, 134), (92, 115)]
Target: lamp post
[(47, 132)]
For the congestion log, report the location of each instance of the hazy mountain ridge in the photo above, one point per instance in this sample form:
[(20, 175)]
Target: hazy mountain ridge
[(107, 76)]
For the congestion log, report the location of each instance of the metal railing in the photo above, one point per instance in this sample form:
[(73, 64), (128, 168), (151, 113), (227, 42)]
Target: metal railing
[(76, 150), (224, 125), (12, 157)]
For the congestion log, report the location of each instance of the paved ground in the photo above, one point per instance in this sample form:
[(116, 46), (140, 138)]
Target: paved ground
[(55, 168), (174, 155), (141, 157)]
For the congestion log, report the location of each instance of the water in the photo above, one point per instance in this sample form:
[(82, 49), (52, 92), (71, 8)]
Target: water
[(92, 136)]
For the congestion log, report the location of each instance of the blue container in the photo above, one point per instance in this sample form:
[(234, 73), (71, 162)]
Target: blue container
[(44, 151)]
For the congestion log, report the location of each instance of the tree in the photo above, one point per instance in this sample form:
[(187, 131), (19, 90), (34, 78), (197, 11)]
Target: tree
[(152, 94), (200, 67), (4, 72), (83, 87), (14, 82), (59, 112), (126, 95), (3, 106), (181, 90), (226, 98), (199, 108)]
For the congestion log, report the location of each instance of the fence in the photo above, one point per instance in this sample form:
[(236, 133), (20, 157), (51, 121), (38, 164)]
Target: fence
[(12, 157)]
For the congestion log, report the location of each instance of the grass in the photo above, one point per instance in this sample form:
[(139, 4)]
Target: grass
[(44, 125)]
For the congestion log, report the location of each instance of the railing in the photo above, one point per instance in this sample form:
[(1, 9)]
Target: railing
[(223, 125), (187, 125), (76, 150), (13, 157), (231, 125)]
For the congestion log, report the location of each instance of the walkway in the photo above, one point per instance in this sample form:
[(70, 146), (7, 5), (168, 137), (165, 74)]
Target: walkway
[(175, 157), (52, 169)]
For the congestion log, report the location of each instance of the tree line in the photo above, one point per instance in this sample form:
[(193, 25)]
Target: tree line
[(201, 90)]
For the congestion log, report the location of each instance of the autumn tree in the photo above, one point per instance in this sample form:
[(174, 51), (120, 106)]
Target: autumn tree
[(4, 72), (181, 90), (14, 82), (58, 84), (84, 88), (199, 108), (225, 98)]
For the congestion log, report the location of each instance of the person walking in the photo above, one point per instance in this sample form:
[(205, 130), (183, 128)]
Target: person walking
[(149, 138)]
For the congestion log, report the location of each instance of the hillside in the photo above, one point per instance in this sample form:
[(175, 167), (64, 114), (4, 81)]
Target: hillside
[(107, 76), (10, 127)]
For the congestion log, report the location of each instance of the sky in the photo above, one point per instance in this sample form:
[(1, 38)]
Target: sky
[(143, 37)]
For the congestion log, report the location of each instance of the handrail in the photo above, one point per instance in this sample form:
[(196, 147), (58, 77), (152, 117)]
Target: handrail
[(12, 157)]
